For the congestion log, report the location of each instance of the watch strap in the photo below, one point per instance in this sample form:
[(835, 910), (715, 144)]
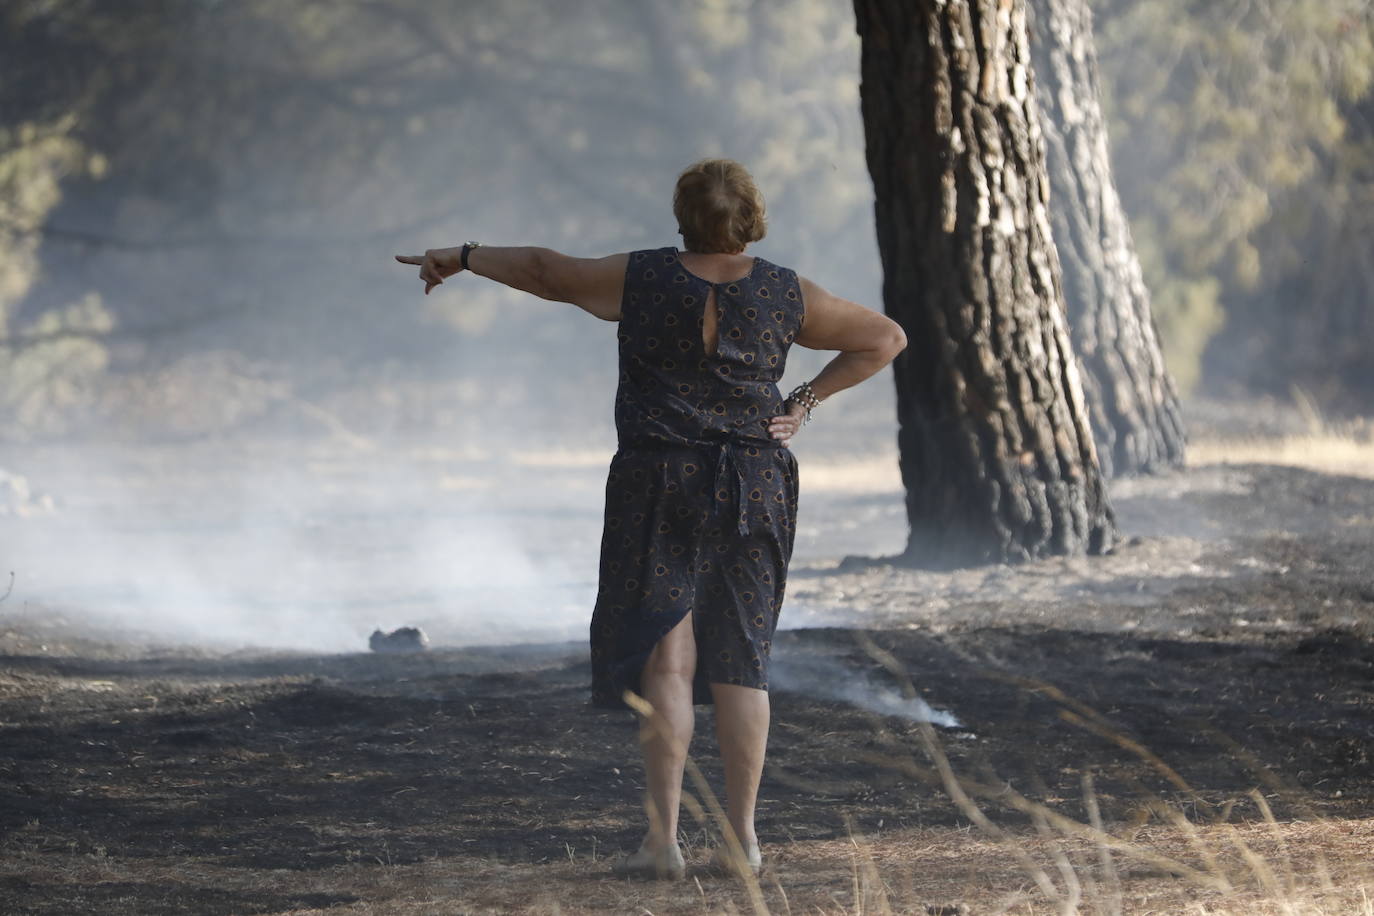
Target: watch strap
[(467, 250)]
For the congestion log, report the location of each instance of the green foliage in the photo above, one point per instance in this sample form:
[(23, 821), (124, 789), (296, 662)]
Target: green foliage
[(1187, 312), (267, 157), (272, 154), (50, 380), (1312, 324), (34, 159), (48, 365), (1220, 113)]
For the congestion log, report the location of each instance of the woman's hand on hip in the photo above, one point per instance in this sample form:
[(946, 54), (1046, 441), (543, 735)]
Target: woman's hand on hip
[(784, 427), (436, 264)]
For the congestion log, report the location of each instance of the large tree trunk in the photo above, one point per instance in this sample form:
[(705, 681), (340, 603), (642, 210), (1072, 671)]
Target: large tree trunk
[(995, 446), (1131, 397)]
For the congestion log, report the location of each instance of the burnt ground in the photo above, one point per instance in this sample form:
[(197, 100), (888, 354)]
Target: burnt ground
[(1224, 655)]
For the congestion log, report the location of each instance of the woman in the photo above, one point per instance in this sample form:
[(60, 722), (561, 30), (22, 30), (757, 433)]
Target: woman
[(702, 492)]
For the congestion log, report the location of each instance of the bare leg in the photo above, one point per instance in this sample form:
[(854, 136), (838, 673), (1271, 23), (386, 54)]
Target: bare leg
[(667, 684), (742, 715)]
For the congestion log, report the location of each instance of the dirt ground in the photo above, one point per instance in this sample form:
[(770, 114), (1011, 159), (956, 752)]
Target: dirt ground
[(1205, 694)]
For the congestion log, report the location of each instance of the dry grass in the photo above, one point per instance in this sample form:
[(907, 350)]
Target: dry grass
[(876, 473), (1330, 447), (1297, 869), (1050, 862), (1317, 867), (1212, 865), (1327, 452), (867, 473), (1344, 448)]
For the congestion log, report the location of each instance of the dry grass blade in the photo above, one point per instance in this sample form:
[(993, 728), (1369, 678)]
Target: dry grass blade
[(870, 894), (954, 788), (646, 710), (1008, 796), (1102, 728), (1068, 904), (1292, 795), (1080, 713), (1190, 831), (886, 659), (1289, 880), (1104, 855)]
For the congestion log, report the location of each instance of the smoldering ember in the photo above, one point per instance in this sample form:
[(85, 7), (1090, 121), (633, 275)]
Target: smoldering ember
[(977, 417)]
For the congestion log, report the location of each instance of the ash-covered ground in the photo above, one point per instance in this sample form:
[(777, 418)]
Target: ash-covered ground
[(190, 721)]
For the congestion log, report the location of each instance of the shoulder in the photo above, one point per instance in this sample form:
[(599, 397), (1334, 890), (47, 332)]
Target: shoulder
[(595, 285), (784, 280), (653, 256), (777, 273), (649, 264)]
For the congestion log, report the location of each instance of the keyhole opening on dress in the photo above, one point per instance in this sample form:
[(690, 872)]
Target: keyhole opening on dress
[(710, 325)]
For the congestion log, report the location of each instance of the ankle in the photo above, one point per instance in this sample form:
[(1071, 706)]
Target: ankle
[(748, 840), (665, 863), (748, 845), (657, 843), (749, 857)]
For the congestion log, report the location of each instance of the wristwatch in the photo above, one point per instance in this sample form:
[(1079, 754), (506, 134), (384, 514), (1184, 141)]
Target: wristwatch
[(467, 249)]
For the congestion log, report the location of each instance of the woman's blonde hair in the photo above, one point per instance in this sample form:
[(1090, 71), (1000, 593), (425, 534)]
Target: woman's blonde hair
[(718, 207)]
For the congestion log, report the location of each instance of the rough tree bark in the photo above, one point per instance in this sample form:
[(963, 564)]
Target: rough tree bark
[(995, 446), (1131, 397)]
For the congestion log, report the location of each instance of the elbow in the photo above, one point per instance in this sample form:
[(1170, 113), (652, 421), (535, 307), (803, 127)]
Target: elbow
[(538, 273), (540, 278), (894, 343)]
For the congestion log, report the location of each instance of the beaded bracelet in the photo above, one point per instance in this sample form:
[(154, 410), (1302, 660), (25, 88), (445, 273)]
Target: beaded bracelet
[(804, 396)]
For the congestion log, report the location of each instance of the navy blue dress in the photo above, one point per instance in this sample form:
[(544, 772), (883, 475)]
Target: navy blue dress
[(700, 501)]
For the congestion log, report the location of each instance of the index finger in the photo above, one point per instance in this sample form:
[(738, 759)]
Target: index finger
[(411, 258)]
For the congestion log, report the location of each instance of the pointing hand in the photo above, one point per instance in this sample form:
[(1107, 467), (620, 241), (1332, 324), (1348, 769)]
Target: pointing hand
[(436, 265)]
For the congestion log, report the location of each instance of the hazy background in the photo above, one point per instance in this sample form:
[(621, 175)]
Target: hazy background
[(226, 414)]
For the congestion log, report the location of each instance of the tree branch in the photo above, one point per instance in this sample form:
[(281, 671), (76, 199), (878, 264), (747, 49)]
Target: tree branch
[(102, 240)]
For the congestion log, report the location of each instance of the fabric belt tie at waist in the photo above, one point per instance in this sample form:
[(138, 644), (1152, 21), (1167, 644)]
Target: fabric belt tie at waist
[(729, 476)]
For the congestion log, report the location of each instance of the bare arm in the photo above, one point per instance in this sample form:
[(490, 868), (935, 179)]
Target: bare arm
[(594, 285), (867, 341)]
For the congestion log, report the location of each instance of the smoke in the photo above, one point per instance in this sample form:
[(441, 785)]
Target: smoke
[(218, 554), (261, 324), (484, 533), (829, 679)]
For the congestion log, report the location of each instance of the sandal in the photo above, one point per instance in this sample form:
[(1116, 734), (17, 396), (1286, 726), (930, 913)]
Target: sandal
[(665, 865)]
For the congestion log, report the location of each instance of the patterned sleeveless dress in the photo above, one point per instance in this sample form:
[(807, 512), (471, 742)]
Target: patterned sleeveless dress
[(700, 500)]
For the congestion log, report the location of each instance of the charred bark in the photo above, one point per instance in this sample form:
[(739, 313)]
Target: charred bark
[(996, 450), (1131, 397)]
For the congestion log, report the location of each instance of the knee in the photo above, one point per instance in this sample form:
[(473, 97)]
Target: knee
[(674, 665), (674, 659)]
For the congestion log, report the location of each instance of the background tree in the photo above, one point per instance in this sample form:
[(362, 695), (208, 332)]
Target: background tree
[(245, 140), (236, 143), (1311, 322), (49, 359), (1131, 398), (995, 447), (1227, 121)]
